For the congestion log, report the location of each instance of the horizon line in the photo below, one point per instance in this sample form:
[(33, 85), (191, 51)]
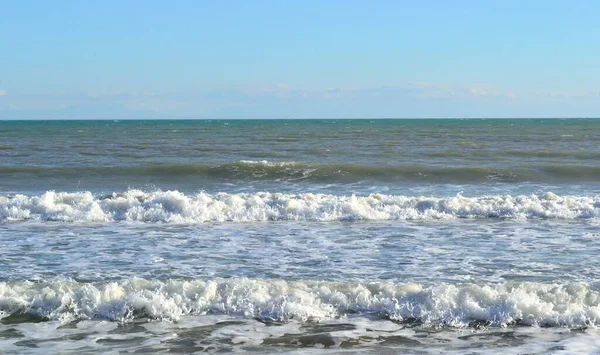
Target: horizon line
[(297, 118)]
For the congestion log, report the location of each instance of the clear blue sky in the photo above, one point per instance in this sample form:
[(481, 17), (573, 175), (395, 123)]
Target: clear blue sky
[(245, 59)]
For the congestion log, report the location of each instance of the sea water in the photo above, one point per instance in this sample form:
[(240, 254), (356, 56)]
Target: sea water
[(303, 236)]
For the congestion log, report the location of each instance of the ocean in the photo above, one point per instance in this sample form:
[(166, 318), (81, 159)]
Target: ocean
[(328, 236)]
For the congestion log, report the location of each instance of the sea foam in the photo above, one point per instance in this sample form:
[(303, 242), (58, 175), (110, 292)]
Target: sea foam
[(176, 207), (460, 305)]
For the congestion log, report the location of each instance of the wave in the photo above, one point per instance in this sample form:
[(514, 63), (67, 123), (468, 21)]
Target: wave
[(249, 170), (461, 305), (176, 207)]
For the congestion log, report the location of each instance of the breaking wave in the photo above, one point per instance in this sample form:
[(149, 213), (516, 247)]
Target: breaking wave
[(262, 170), (461, 305), (176, 207)]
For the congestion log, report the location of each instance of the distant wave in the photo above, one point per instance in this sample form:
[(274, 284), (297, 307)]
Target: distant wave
[(176, 207), (249, 170), (461, 305)]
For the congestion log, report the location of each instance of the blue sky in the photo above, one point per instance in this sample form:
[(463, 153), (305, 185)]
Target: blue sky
[(280, 59)]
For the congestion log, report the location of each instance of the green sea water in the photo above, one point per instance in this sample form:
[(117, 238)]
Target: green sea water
[(192, 155), (302, 236)]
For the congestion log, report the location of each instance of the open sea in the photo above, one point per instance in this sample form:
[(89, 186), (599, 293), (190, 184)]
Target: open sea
[(300, 236)]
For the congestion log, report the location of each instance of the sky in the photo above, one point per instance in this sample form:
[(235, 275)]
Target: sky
[(298, 59)]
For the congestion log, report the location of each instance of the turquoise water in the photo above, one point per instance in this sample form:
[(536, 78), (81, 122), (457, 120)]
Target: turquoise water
[(412, 236)]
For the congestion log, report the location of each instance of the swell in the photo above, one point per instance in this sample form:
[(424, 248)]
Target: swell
[(319, 173), (177, 207), (455, 305)]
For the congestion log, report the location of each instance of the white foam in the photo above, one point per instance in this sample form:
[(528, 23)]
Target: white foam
[(569, 305), (176, 207), (269, 164)]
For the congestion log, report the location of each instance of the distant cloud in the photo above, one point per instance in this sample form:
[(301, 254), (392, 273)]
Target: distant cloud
[(281, 90), (284, 100), (478, 92), (118, 94)]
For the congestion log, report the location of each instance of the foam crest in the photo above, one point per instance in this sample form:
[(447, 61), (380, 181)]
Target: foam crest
[(569, 305), (176, 207), (269, 164)]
